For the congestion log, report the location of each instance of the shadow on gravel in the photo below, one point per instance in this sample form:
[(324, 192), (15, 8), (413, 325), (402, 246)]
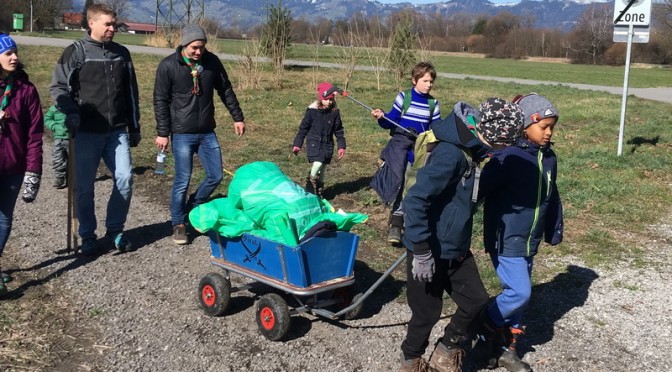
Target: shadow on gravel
[(388, 290), (552, 300), (76, 261), (145, 235)]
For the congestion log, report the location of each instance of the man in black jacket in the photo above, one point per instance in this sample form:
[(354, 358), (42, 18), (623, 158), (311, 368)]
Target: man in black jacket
[(94, 84), (185, 113)]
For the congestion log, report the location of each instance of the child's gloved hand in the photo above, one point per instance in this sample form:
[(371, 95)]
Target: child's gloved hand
[(31, 185), (423, 267), (341, 153), (296, 150)]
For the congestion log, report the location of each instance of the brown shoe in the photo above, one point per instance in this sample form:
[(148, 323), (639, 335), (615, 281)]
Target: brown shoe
[(446, 359), (180, 234), (412, 365)]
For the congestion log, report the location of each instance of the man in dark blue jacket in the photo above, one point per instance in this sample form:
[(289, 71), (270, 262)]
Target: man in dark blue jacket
[(185, 114), (438, 228)]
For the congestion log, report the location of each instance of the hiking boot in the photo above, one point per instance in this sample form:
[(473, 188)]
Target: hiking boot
[(90, 247), (180, 234), (119, 240), (394, 235), (313, 185), (484, 352), (509, 358), (446, 359), (412, 365), (60, 182)]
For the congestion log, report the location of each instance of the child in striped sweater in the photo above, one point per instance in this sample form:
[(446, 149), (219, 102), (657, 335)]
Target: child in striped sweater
[(414, 110)]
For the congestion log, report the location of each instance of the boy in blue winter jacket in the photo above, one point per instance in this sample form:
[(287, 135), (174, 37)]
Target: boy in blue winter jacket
[(521, 207), (414, 110), (438, 212)]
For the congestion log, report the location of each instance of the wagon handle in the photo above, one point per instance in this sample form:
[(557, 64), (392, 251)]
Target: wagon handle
[(374, 286)]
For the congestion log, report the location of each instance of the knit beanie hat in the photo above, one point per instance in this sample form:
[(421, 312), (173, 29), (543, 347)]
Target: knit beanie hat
[(191, 33), (323, 88), (6, 43), (535, 108), (501, 121)]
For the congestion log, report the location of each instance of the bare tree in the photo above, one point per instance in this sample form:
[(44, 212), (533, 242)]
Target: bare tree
[(120, 7), (592, 35), (275, 37), (377, 54)]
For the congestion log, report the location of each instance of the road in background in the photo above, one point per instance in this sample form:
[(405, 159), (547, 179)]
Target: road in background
[(654, 94)]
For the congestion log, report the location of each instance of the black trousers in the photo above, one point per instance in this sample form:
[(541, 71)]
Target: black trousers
[(462, 282)]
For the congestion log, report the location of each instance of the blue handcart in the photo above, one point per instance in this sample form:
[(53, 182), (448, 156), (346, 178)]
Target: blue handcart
[(318, 273)]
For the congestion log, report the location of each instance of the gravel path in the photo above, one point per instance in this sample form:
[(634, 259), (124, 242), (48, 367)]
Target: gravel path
[(139, 310)]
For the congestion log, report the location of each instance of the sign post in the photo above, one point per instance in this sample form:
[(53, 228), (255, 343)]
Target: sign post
[(635, 17)]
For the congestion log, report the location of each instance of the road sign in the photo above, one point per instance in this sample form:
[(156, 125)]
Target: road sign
[(632, 12), (640, 33)]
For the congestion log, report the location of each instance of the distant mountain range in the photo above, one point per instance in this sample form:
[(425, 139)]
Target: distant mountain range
[(561, 14)]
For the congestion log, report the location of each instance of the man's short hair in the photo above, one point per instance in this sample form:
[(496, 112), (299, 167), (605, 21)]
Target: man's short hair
[(97, 9)]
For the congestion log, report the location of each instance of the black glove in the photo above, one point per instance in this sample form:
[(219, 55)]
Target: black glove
[(134, 139), (423, 267), (72, 123), (31, 185)]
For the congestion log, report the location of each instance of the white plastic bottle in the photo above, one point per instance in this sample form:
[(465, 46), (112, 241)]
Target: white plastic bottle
[(160, 163)]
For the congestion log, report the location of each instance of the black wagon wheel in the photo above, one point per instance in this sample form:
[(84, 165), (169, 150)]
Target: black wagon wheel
[(347, 296), (214, 294), (273, 316)]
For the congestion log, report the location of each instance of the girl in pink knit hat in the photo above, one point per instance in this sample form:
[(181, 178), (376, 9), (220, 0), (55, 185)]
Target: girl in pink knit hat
[(320, 124)]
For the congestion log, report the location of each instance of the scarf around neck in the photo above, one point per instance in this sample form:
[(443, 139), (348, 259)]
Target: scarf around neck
[(195, 71)]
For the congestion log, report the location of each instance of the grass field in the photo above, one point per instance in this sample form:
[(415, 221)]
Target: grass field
[(609, 201), (457, 63)]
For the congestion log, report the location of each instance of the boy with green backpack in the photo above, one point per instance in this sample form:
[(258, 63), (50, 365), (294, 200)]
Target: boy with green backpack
[(414, 110)]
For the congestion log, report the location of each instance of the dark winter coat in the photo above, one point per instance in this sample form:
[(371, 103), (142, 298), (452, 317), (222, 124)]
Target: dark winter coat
[(438, 207), (177, 109), (522, 204), (22, 129), (104, 90), (318, 128)]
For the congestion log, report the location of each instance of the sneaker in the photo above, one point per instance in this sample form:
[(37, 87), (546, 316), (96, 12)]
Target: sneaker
[(90, 247), (120, 241), (180, 234), (60, 182), (394, 235), (412, 365), (445, 359)]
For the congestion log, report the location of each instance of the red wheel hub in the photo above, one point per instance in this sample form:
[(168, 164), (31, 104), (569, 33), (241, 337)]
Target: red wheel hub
[(208, 295), (267, 318)]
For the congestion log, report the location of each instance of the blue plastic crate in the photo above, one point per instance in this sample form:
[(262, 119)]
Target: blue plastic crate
[(328, 256)]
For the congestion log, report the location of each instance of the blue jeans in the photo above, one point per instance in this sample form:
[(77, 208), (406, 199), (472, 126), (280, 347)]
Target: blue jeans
[(115, 151), (9, 191), (514, 274), (210, 156)]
